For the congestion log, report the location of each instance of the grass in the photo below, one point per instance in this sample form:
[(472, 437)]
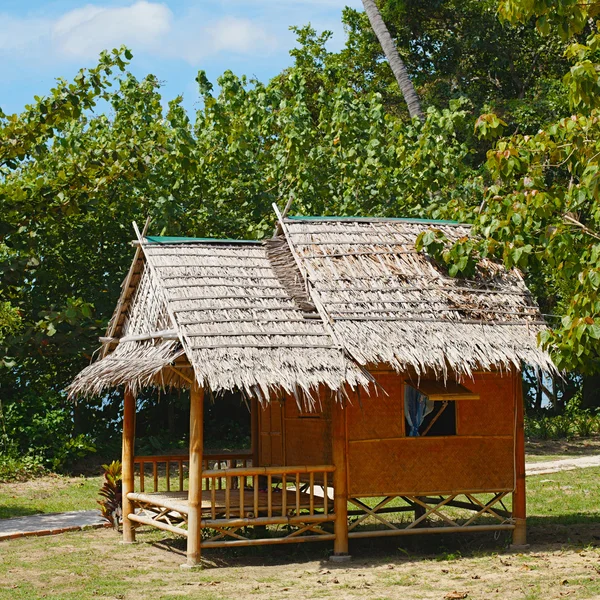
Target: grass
[(563, 561), (48, 494), (96, 565), (565, 498)]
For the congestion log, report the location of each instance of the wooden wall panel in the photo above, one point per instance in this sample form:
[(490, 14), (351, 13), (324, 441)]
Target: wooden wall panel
[(308, 434), (493, 413), (307, 442), (270, 424), (430, 465), (378, 417)]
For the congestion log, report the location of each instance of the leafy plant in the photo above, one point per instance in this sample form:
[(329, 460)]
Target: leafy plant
[(20, 468), (111, 504)]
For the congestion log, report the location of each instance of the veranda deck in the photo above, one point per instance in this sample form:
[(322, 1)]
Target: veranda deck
[(219, 503)]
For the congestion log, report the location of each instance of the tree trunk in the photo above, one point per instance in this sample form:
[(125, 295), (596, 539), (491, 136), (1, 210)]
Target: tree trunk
[(391, 53), (591, 391)]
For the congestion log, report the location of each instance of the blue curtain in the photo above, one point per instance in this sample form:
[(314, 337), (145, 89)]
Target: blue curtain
[(416, 407)]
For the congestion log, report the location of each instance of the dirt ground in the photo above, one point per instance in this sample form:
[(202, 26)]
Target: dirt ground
[(542, 449), (562, 562)]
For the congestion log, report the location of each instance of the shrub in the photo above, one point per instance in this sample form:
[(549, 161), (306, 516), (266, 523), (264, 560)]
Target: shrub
[(20, 468), (111, 504)]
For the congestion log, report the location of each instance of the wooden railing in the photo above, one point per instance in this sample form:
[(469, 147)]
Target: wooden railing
[(268, 492), (295, 497), (170, 472)]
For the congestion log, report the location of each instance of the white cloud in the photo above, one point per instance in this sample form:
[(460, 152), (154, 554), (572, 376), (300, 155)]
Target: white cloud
[(146, 27), (203, 31), (84, 32)]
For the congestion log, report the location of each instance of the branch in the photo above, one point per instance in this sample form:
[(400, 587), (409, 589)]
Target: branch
[(581, 226)]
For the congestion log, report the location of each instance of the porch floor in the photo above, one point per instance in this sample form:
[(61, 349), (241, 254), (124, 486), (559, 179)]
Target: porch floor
[(178, 501)]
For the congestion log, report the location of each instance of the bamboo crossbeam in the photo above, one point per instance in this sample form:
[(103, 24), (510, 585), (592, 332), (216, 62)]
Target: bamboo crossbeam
[(262, 345), (401, 310), (255, 332), (414, 288), (241, 276), (243, 296), (274, 320), (368, 221), (262, 521), (229, 265), (243, 286), (158, 524), (370, 242), (423, 320), (271, 541), (252, 307), (367, 253)]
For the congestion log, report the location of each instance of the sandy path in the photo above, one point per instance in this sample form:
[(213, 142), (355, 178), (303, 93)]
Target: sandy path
[(564, 464)]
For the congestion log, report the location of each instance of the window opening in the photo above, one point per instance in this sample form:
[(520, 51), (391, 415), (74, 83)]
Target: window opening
[(426, 417)]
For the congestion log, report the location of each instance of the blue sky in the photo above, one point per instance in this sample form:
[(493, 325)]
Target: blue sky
[(41, 40)]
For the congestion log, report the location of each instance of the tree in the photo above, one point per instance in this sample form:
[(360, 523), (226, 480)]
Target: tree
[(389, 48), (541, 211), (67, 200)]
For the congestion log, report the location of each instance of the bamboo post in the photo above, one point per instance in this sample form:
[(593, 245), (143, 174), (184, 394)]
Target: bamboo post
[(195, 475), (340, 481), (127, 464), (519, 495), (254, 434)]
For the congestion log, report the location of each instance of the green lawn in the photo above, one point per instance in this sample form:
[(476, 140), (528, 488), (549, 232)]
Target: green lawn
[(563, 561), (48, 494)]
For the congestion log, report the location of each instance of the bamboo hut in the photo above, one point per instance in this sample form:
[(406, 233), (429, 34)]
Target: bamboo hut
[(385, 396)]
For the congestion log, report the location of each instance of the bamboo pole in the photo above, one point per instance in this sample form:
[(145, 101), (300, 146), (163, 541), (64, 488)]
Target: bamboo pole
[(271, 541), (254, 433), (127, 463), (195, 482), (519, 495), (340, 480), (159, 524)]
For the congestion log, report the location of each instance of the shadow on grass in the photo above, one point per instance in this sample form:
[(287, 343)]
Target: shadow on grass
[(8, 512), (577, 530), (564, 447)]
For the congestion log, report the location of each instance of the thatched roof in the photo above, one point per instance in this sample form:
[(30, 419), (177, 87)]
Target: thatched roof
[(311, 307), (390, 304), (221, 304)]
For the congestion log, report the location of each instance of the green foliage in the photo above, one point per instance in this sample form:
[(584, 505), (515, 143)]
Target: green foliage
[(40, 426), (541, 214), (332, 132), (574, 422), (111, 492), (20, 468)]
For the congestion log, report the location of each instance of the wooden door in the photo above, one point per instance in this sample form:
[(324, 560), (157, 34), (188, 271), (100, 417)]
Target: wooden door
[(271, 434)]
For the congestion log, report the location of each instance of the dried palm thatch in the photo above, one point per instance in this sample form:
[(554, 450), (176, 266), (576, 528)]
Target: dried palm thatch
[(233, 319), (310, 308), (141, 310), (390, 304)]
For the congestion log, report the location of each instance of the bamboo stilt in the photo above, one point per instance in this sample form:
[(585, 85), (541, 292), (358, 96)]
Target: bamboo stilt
[(254, 433), (519, 495), (340, 480), (195, 482), (127, 463)]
